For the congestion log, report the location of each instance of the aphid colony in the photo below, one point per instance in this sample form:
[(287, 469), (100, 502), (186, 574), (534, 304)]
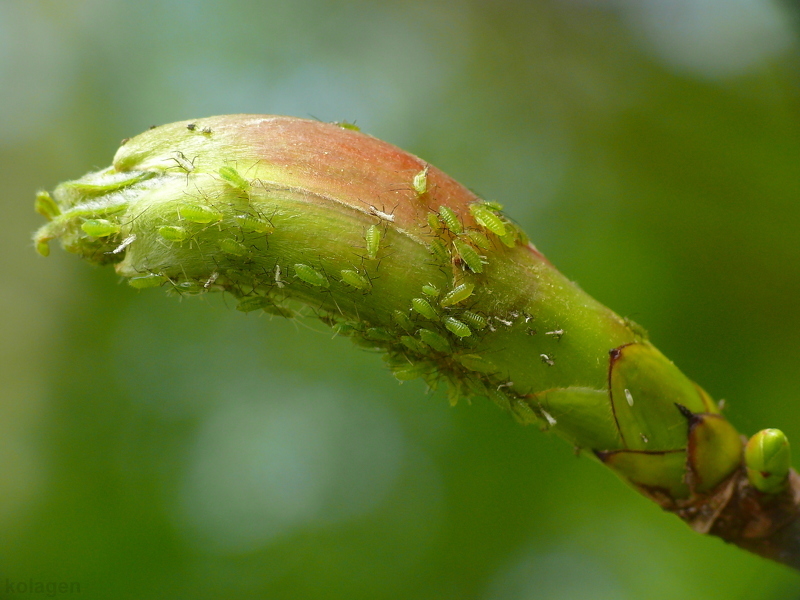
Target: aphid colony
[(434, 337)]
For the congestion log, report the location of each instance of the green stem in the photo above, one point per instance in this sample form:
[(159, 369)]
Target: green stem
[(300, 217)]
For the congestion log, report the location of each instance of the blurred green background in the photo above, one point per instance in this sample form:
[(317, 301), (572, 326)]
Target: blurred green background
[(152, 447)]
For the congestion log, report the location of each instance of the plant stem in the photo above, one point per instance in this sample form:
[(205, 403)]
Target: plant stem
[(297, 217)]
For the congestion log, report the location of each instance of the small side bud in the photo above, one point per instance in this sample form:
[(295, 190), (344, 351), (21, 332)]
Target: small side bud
[(768, 459)]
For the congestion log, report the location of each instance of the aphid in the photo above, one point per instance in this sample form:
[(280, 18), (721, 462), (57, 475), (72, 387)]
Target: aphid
[(173, 233), (434, 340), (458, 294), (191, 126), (456, 327), (420, 182), (100, 227), (492, 205), (450, 219), (469, 256), (510, 238), (378, 334), (522, 412), (475, 320), (484, 216), (628, 396), (644, 438), (547, 360), (433, 222), (253, 303), (373, 239), (355, 279), (413, 344), (477, 363), (206, 130), (196, 213), (187, 287), (46, 206), (402, 320), (422, 306), (439, 251), (231, 246), (124, 244), (279, 311), (557, 333), (278, 280), (231, 175), (252, 224), (146, 281), (430, 290), (480, 240), (310, 275), (411, 371), (347, 125), (183, 162)]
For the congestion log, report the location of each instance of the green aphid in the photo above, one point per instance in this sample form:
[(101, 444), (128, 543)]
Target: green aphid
[(477, 363), (433, 222), (310, 275), (252, 303), (767, 458), (479, 239), (100, 227), (450, 219), (188, 287), (424, 308), (492, 205), (402, 320), (454, 393), (373, 239), (484, 216), (458, 294), (378, 334), (407, 373), (231, 246), (434, 340), (232, 177), (522, 412), (279, 311), (146, 281), (430, 290), (413, 344), (173, 233), (355, 279), (196, 213), (46, 206), (347, 328), (474, 320), (456, 327), (439, 251), (420, 182), (347, 125), (469, 256), (252, 224), (511, 237)]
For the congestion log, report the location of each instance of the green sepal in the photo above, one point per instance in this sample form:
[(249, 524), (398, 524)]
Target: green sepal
[(645, 387), (715, 451), (767, 457), (657, 474)]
